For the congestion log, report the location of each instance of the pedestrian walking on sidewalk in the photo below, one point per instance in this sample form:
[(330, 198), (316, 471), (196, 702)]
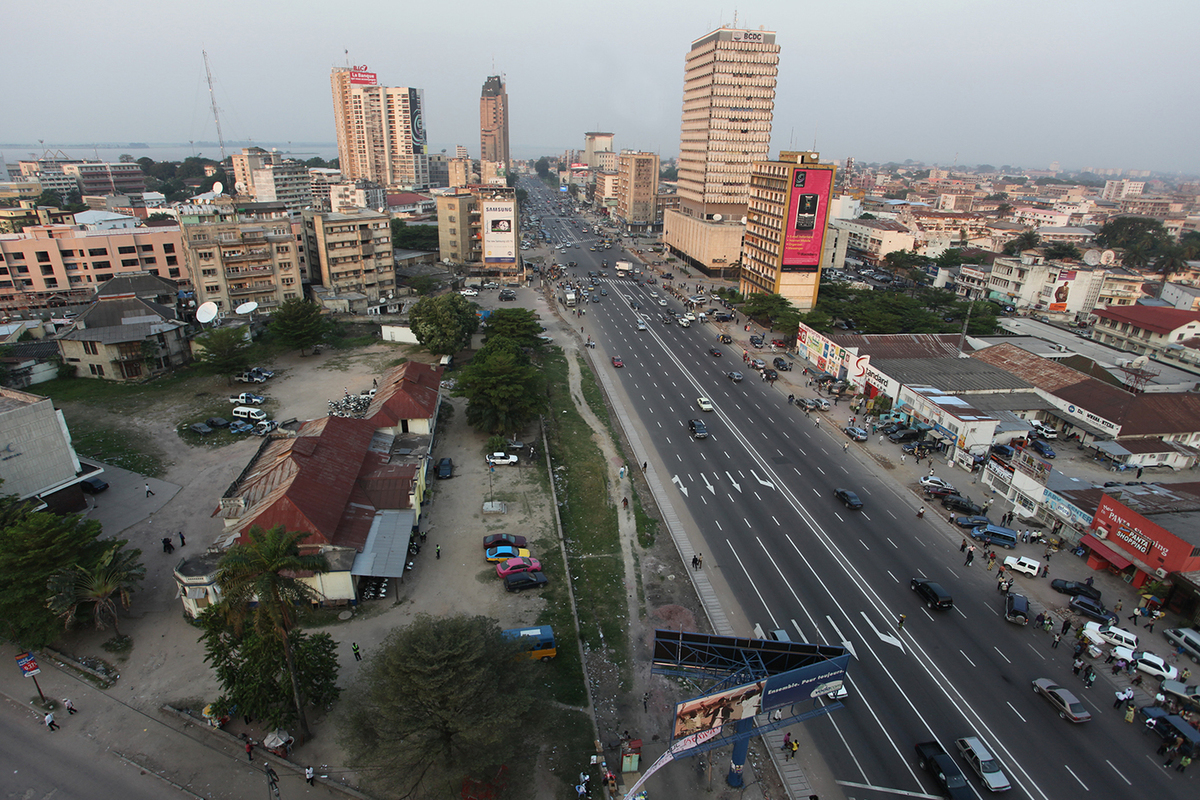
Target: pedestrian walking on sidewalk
[(1057, 639), (69, 706), (357, 653), (182, 541), (250, 751), (902, 457), (309, 774), (149, 491), (438, 553), (701, 557), (49, 722)]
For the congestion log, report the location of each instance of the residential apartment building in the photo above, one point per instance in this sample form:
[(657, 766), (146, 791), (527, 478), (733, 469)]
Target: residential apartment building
[(462, 173), (319, 181), (55, 265), (122, 337), (787, 215), (357, 194), (604, 193), (244, 165), (1119, 190), (479, 228), (1029, 281), (1170, 334), (287, 182), (1181, 296), (27, 213), (380, 130), (595, 143), (350, 252), (728, 108), (637, 189), (493, 121), (869, 240), (104, 179), (235, 260)]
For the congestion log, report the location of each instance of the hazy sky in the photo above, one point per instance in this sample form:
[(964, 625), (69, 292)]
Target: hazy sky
[(1087, 83)]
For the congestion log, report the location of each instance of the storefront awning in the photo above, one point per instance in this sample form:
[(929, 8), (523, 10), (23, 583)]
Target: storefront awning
[(1104, 551), (1111, 449)]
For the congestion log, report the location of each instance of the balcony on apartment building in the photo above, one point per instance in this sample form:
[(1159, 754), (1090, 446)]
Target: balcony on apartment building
[(249, 255), (251, 269), (251, 289)]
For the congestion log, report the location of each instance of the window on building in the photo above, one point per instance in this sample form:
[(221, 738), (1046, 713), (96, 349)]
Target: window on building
[(43, 256), (90, 348), (126, 250), (16, 256), (129, 262), (101, 265), (97, 369), (148, 260), (22, 270), (147, 248), (51, 283), (174, 273), (208, 273), (101, 277), (212, 289), (47, 269), (168, 248)]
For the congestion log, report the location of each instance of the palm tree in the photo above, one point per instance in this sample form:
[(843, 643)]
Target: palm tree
[(264, 571), (1172, 258), (110, 582)]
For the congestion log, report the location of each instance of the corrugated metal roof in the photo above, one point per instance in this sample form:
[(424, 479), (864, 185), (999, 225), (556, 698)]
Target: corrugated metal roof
[(949, 374), (1161, 413), (409, 391), (386, 550), (901, 345), (1010, 401), (1157, 320)]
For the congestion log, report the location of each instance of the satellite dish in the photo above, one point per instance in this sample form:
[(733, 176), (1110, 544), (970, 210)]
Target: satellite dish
[(1140, 362), (743, 220), (247, 308), (218, 187), (239, 187), (717, 217), (1108, 257), (206, 313), (1091, 257)]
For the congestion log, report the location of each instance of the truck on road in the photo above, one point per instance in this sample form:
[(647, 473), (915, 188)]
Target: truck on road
[(623, 268), (569, 298)]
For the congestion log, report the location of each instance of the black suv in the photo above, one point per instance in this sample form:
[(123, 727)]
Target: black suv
[(445, 468), (1073, 588), (904, 435), (781, 364), (956, 502), (516, 581), (699, 431), (932, 593)]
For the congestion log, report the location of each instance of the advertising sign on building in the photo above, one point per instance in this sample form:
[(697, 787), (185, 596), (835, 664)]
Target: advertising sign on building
[(361, 76), (499, 232), (808, 211), (1062, 290), (417, 112)]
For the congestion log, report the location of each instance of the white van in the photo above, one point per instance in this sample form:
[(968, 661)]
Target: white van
[(248, 413), (1117, 637), (1187, 639)]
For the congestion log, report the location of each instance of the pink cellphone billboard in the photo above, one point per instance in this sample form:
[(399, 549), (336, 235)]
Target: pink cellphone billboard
[(804, 229)]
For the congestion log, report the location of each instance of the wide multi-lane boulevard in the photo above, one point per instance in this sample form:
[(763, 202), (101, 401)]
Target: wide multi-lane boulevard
[(756, 496)]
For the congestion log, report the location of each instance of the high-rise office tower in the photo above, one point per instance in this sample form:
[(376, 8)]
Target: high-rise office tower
[(380, 130), (595, 143), (728, 107), (637, 189), (493, 121)]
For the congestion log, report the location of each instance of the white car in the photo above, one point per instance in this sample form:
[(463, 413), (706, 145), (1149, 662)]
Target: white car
[(1043, 430), (1118, 637), (468, 293), (1023, 564), (501, 458), (704, 403), (662, 302), (934, 482), (641, 325), (1148, 663)]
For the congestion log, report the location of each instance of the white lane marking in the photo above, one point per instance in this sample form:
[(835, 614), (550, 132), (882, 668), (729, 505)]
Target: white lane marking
[(708, 485), (719, 524), (964, 655), (756, 496), (748, 525), (893, 544), (845, 642), (675, 480), (886, 637), (1034, 649), (1114, 769), (1076, 777), (1018, 713), (761, 482), (893, 577), (888, 790), (892, 515), (864, 544), (736, 485), (1002, 655), (776, 521), (820, 470)]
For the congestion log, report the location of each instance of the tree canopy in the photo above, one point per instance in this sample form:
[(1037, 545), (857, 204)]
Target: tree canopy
[(414, 237), (299, 323), (762, 305), (261, 592), (542, 167), (36, 546), (1026, 240), (521, 325), (504, 389), (1125, 232), (427, 711), (98, 588), (443, 324), (226, 351), (1062, 251)]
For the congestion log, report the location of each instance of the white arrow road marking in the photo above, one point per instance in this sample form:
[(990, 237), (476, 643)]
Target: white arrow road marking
[(761, 482), (675, 480), (845, 643), (736, 485), (707, 485), (887, 637)]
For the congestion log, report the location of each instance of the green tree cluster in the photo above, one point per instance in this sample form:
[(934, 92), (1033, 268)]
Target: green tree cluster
[(444, 324), (427, 711), (225, 350), (503, 387), (1062, 251), (299, 323), (1027, 240), (56, 571), (414, 237), (261, 594)]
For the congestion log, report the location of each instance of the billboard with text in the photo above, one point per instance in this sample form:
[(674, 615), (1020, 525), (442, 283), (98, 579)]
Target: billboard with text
[(499, 231), (808, 211)]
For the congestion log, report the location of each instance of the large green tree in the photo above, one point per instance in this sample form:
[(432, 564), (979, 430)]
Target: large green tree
[(1062, 250), (521, 325), (226, 351), (1124, 232), (504, 390), (413, 237), (260, 588), (299, 323), (97, 590), (444, 324), (772, 307), (34, 547), (1172, 258), (1026, 240), (252, 669), (428, 708)]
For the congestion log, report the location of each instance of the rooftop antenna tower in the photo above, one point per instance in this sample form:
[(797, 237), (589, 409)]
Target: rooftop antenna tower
[(213, 96)]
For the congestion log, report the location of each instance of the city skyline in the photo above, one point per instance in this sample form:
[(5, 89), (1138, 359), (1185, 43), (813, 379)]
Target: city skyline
[(1023, 83)]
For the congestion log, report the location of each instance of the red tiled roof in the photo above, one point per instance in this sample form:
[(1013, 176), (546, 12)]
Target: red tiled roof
[(409, 391), (405, 199), (1149, 318)]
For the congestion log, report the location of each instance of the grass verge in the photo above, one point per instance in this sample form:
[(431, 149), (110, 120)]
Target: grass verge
[(589, 519)]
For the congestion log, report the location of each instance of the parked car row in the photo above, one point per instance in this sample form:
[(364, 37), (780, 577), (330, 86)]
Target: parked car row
[(514, 564)]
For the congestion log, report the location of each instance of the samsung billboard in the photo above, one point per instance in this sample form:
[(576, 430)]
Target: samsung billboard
[(499, 232)]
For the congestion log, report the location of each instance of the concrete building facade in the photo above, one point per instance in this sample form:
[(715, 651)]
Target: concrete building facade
[(869, 240), (728, 108), (479, 228), (57, 265), (380, 130), (350, 252), (104, 179), (637, 189), (493, 121), (236, 260), (357, 194), (595, 143)]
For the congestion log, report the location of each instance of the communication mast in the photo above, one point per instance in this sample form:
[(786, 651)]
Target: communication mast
[(212, 95), (1137, 374)]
